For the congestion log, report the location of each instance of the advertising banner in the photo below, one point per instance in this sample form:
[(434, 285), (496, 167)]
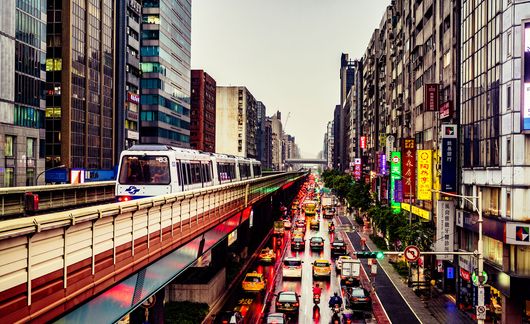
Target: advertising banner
[(446, 109), (445, 228), (408, 173), (395, 175), (449, 156), (525, 111), (424, 175), (398, 192), (430, 99), (382, 164), (363, 142)]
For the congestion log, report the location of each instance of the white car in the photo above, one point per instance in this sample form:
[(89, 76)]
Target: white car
[(292, 267)]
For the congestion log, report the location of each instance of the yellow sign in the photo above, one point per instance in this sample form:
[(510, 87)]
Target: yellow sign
[(424, 174), (417, 211)]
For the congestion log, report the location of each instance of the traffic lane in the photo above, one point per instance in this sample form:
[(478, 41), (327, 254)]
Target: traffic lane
[(305, 286), (397, 309)]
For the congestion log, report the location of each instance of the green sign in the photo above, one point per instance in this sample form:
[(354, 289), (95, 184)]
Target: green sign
[(474, 277), (370, 255), (395, 174)]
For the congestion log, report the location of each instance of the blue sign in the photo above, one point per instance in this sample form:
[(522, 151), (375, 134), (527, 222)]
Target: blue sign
[(100, 175), (449, 166), (450, 272), (398, 191), (56, 176)]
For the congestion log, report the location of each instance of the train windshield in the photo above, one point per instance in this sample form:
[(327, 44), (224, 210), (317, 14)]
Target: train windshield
[(151, 169)]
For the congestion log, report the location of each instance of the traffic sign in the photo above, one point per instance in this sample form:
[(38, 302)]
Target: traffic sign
[(475, 278), (412, 253), (481, 312)]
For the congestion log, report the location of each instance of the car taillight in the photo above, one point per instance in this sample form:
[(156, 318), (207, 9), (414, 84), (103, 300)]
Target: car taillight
[(278, 304), (124, 198), (295, 304)]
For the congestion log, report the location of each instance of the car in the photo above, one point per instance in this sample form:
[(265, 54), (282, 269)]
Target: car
[(288, 302), (253, 282), (276, 318), (338, 247), (316, 243), (300, 227), (267, 255), (300, 222), (292, 267), (298, 243), (298, 233), (228, 317), (321, 268), (314, 224), (338, 263), (287, 224), (358, 298)]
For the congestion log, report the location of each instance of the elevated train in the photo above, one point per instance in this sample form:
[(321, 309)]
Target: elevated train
[(153, 170)]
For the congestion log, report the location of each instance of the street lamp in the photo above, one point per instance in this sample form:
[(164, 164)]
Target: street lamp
[(480, 251), (56, 167)]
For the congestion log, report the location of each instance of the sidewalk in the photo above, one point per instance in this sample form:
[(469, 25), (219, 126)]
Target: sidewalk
[(438, 309)]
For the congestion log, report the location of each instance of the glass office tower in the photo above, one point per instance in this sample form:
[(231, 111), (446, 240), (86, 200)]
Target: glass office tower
[(165, 65)]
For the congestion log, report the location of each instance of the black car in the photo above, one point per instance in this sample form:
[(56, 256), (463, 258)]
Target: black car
[(297, 243), (316, 243), (338, 247), (288, 302), (358, 298), (228, 317)]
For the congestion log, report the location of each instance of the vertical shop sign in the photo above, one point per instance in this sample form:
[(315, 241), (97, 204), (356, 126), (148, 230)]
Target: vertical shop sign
[(395, 175), (430, 99), (424, 175), (357, 170), (449, 155), (445, 228), (409, 167)]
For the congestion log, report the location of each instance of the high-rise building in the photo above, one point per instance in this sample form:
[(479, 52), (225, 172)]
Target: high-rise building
[(22, 75), (203, 101), (336, 137), (495, 148), (261, 114), (347, 80), (277, 147), (235, 127), (80, 84), (329, 145), (266, 163), (165, 65), (127, 97)]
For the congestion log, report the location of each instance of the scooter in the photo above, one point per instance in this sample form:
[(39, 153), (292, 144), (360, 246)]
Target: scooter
[(331, 229), (316, 299), (335, 318)]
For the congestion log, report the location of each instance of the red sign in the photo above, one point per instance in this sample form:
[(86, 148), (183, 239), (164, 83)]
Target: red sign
[(133, 97), (465, 275), (446, 109), (430, 98), (357, 171), (408, 166), (363, 142)]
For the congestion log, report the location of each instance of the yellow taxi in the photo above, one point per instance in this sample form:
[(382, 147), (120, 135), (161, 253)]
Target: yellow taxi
[(314, 224), (298, 233), (253, 282), (321, 268)]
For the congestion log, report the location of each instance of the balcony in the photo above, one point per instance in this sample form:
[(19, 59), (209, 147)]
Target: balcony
[(133, 42), (133, 24)]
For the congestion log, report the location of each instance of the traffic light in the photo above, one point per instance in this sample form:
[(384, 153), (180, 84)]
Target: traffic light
[(370, 255)]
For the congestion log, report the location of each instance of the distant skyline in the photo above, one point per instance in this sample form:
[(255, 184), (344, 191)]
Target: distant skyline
[(286, 52)]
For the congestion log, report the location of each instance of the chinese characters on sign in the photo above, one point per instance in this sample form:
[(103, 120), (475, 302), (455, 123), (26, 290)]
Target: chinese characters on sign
[(363, 142), (430, 99), (424, 174), (357, 171), (382, 164), (446, 109), (449, 155), (395, 175), (409, 167), (445, 228)]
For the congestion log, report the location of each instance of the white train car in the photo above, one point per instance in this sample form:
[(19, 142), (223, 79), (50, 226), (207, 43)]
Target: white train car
[(153, 170)]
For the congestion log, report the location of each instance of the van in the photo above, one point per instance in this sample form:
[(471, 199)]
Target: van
[(292, 268)]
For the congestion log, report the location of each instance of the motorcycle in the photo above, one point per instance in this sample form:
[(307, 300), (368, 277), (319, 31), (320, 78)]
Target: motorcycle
[(331, 229), (335, 318), (316, 299)]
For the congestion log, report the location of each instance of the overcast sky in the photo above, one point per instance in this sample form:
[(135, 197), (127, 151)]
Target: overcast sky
[(286, 52)]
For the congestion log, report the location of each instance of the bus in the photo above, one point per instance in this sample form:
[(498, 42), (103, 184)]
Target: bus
[(310, 208)]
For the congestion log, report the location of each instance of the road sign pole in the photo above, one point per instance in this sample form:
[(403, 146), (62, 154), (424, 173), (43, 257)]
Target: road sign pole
[(480, 257)]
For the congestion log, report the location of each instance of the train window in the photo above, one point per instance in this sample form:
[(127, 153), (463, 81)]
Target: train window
[(257, 170), (144, 170), (195, 173)]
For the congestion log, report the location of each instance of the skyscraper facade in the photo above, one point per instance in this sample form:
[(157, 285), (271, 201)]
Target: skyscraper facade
[(202, 125), (260, 134), (127, 95), (22, 75), (165, 65), (80, 84)]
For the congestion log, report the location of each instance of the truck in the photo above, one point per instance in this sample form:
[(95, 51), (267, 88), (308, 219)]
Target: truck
[(310, 207), (327, 201), (278, 228), (350, 273), (328, 209)]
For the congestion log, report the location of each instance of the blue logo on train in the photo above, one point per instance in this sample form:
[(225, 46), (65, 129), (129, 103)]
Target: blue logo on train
[(132, 190)]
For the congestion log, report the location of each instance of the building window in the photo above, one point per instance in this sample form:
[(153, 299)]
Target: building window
[(10, 146), (30, 177), (508, 97), (509, 43), (9, 177), (493, 250), (508, 204), (30, 147), (508, 150)]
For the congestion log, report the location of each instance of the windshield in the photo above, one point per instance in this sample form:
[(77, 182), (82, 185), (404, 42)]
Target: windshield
[(292, 263), (316, 239), (287, 298), (321, 264), (357, 293), (298, 239), (137, 169), (252, 279)]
